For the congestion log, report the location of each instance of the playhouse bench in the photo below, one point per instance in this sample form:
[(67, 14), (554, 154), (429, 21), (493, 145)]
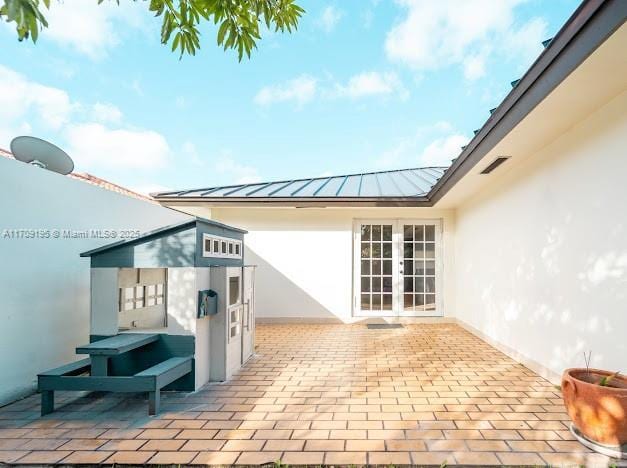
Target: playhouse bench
[(151, 380)]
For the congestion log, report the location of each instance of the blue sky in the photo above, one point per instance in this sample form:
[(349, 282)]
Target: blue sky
[(362, 85)]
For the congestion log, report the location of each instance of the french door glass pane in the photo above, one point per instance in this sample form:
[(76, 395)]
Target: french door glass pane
[(408, 233), (376, 250), (430, 233), (429, 250), (387, 302), (365, 232), (376, 233), (419, 233), (387, 233)]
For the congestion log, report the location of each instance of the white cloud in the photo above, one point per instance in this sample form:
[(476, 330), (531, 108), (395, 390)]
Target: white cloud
[(93, 145), (299, 90), (329, 18), (441, 151), (106, 113), (235, 172), (305, 88), (526, 42), (89, 28), (27, 106), (429, 145), (24, 103), (190, 151), (372, 83), (436, 34), (474, 66)]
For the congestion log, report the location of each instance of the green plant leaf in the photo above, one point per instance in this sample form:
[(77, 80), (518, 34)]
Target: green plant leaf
[(239, 20)]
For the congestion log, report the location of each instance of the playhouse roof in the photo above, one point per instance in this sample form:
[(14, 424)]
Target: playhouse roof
[(161, 232)]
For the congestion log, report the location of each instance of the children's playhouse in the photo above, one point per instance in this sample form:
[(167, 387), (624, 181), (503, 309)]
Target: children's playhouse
[(172, 309)]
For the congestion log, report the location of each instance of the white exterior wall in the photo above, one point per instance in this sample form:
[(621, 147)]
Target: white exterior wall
[(305, 257), (541, 256), (44, 284)]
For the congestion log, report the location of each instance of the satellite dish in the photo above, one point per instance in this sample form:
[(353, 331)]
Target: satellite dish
[(42, 154)]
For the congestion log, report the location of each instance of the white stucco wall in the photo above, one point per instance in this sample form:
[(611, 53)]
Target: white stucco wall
[(305, 257), (541, 256), (44, 284)]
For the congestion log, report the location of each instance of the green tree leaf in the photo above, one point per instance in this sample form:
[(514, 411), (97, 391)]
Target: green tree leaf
[(239, 20)]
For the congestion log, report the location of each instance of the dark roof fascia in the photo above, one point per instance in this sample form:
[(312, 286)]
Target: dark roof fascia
[(589, 26), (173, 228), (422, 201)]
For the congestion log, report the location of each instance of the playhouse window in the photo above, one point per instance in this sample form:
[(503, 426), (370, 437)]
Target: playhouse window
[(233, 290), (141, 293), (235, 323), (221, 247)]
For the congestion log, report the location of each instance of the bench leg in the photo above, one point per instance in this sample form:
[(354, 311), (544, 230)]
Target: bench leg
[(47, 402), (99, 365), (154, 401)]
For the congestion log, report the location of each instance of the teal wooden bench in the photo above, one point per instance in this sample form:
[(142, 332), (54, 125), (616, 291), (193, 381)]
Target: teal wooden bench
[(161, 375), (72, 377), (91, 374)]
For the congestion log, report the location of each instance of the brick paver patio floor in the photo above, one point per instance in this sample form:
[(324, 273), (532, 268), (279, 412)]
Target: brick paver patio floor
[(322, 394)]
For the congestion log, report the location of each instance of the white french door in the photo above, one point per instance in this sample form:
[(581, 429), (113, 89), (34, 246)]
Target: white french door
[(397, 270)]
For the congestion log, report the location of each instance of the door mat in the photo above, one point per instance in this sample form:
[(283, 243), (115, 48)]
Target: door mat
[(380, 326)]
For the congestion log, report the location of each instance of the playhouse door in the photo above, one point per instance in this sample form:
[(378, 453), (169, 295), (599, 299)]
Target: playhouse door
[(248, 303), (234, 319)]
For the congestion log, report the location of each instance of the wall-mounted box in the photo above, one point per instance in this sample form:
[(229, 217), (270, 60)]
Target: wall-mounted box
[(207, 303)]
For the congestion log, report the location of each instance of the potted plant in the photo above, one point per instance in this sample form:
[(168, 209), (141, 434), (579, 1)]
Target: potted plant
[(596, 401)]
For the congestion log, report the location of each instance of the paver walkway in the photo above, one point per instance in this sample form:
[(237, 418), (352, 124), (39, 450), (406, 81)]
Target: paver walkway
[(314, 394)]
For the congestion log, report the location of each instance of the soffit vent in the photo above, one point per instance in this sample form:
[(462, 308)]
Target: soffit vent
[(494, 164)]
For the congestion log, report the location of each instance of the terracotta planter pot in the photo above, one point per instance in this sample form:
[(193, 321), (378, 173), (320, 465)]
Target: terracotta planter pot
[(600, 413)]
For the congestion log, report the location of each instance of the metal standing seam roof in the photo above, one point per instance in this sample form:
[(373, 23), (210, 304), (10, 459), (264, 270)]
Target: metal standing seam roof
[(403, 183)]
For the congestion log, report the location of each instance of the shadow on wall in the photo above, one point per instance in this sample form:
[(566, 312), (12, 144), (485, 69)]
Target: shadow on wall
[(173, 252), (177, 249), (278, 296), (555, 282)]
